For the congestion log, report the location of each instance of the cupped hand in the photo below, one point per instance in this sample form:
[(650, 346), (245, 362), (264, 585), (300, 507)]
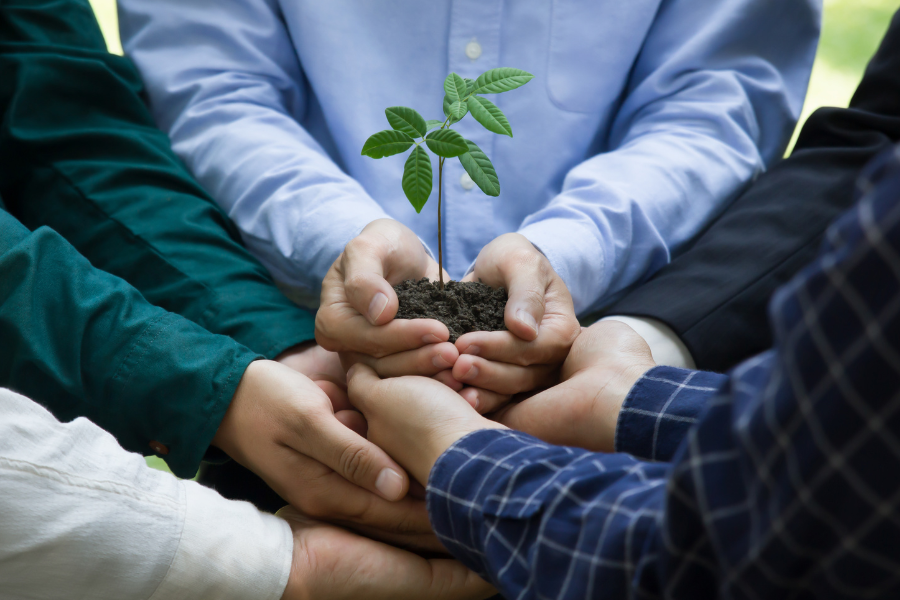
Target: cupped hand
[(330, 563), (414, 419), (283, 427), (605, 362), (358, 304), (540, 319)]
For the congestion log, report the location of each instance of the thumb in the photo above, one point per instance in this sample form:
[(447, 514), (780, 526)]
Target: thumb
[(525, 306), (356, 459), (367, 290)]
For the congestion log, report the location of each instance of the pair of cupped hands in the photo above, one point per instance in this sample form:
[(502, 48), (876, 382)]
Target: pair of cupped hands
[(338, 428)]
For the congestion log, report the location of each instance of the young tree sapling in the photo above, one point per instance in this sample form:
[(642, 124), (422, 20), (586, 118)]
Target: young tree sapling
[(462, 96)]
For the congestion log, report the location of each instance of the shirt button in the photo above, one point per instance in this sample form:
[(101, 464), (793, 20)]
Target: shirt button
[(159, 448), (466, 182), (473, 49)]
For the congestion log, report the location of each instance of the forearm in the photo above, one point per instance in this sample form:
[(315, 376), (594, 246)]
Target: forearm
[(83, 516), (85, 343), (527, 516), (224, 81), (103, 176), (703, 115)]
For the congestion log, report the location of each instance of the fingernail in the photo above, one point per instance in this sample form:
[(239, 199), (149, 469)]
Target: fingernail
[(526, 319), (476, 402), (471, 374), (390, 484), (377, 306), (472, 349), (440, 362), (431, 339)]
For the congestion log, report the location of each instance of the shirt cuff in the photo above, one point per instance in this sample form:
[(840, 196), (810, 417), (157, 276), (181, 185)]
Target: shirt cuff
[(228, 551), (660, 409), (666, 347), (182, 410), (575, 254)]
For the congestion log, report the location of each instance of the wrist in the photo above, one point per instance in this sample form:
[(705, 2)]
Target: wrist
[(227, 436), (441, 441)]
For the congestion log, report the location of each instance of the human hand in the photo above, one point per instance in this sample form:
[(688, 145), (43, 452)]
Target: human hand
[(414, 419), (322, 367), (540, 319), (330, 563), (281, 426), (356, 314), (605, 362)]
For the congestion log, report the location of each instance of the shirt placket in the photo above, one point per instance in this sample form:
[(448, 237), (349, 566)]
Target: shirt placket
[(474, 47)]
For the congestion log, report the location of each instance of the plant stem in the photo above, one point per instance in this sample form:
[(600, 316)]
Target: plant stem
[(440, 241)]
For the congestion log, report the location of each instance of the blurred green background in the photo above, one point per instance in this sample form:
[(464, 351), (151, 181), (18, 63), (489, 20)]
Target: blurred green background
[(851, 32)]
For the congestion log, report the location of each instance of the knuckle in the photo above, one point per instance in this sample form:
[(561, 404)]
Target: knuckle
[(355, 462)]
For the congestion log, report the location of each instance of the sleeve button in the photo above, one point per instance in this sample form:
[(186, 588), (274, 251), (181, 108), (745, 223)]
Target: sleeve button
[(159, 448)]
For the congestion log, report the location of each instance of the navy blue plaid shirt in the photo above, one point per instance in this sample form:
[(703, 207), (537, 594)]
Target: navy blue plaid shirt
[(780, 480)]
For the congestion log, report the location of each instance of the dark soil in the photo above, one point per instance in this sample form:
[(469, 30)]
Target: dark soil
[(462, 307)]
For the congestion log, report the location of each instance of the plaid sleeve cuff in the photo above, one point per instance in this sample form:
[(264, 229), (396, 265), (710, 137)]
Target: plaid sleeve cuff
[(527, 516), (660, 409)]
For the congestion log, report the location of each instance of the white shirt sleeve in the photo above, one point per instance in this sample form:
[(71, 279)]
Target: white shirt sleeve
[(82, 518), (667, 348)]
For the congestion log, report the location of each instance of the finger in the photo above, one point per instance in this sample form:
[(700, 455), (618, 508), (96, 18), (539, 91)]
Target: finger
[(335, 393), (371, 263), (503, 346), (501, 378), (427, 361), (484, 401), (340, 329), (320, 492), (446, 377), (353, 457), (353, 420)]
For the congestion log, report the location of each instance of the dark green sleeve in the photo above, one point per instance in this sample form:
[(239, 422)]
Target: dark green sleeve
[(83, 342), (79, 153)]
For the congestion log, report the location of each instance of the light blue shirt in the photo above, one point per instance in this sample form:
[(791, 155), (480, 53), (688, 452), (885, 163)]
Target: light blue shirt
[(644, 119)]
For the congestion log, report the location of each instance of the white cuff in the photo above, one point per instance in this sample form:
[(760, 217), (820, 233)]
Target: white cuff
[(667, 348), (228, 550)]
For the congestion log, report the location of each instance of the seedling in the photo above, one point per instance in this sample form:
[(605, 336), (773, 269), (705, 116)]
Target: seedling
[(461, 97)]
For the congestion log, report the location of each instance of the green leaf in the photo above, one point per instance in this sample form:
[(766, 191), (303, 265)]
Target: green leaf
[(501, 80), (446, 143), (386, 143), (417, 178), (458, 110), (447, 104), (432, 123), (470, 84), (488, 114), (455, 86), (406, 120), (479, 167)]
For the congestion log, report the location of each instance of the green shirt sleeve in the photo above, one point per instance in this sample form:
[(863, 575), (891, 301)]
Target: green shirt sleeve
[(80, 153), (83, 342)]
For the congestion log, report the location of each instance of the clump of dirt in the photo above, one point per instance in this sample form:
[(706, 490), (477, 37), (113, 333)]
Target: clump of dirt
[(461, 306)]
